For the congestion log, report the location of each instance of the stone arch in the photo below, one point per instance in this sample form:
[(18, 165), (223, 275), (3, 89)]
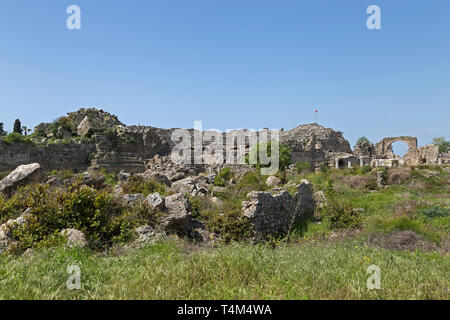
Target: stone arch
[(383, 149)]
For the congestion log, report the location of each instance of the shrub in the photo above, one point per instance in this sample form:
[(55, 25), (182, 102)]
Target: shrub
[(301, 167), (284, 155), (137, 184), (323, 168), (371, 183), (96, 213), (341, 213), (15, 137), (62, 174), (223, 177), (230, 224), (363, 170)]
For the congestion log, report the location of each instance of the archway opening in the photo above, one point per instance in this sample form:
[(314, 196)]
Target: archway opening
[(399, 148)]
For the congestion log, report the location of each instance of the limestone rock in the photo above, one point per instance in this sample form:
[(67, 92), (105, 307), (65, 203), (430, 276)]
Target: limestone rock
[(217, 202), (146, 234), (156, 201), (22, 175), (74, 237), (184, 185), (161, 178), (96, 181), (178, 215), (216, 190), (132, 199), (177, 176), (273, 181), (84, 127), (273, 213)]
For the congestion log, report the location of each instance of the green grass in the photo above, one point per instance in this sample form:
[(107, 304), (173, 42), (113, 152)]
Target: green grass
[(163, 271)]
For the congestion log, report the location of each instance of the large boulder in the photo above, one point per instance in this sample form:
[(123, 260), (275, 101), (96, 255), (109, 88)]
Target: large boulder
[(178, 216), (96, 181), (84, 127), (273, 213), (184, 185), (146, 234), (22, 175), (161, 178)]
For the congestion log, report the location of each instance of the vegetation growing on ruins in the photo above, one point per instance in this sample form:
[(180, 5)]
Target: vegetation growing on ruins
[(283, 150), (444, 145)]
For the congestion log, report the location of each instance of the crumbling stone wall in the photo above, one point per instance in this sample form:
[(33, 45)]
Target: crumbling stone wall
[(52, 157), (383, 149), (275, 213)]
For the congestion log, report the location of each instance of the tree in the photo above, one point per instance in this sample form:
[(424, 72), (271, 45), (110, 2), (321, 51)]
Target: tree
[(2, 131), (362, 141), (17, 126), (444, 145), (284, 153)]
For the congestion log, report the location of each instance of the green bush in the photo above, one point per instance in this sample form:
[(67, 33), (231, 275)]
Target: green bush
[(341, 213), (223, 177), (62, 174), (323, 168), (284, 155), (97, 214), (15, 137), (137, 184), (362, 141), (444, 145), (301, 167), (363, 170)]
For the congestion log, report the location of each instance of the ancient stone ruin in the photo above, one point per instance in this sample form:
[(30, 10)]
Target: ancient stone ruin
[(95, 139)]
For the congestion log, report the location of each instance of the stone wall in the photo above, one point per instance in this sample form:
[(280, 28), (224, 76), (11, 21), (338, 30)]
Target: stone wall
[(383, 149), (55, 156), (274, 213)]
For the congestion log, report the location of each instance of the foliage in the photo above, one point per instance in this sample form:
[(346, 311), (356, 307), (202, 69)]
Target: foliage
[(444, 145), (17, 127), (62, 174), (223, 177), (96, 213), (137, 184), (15, 137), (362, 141), (363, 170), (284, 153), (341, 213), (301, 167), (323, 168), (2, 131), (111, 134)]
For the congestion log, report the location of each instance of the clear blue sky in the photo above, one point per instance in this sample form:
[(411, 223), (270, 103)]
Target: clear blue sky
[(232, 64)]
